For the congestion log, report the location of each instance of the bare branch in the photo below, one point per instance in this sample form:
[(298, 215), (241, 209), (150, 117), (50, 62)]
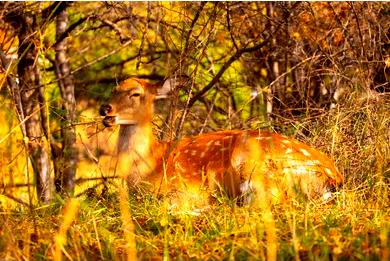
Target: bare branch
[(17, 200), (101, 58), (70, 29), (53, 10), (123, 38), (196, 17), (229, 27), (232, 59)]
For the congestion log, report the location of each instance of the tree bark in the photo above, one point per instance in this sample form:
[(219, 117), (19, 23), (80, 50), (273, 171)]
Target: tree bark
[(275, 66), (66, 166), (30, 91)]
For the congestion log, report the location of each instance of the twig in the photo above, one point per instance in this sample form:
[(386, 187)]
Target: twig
[(229, 27), (196, 17), (232, 59), (88, 151), (101, 58), (17, 185), (16, 199), (122, 37), (358, 26), (291, 69), (21, 123), (70, 29)]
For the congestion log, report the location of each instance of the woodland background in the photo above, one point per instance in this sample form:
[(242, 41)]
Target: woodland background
[(318, 71)]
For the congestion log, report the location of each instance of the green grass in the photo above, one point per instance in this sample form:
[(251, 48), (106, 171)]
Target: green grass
[(350, 228), (355, 226)]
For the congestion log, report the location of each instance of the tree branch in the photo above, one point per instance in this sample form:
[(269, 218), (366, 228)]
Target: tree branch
[(229, 27), (196, 17), (122, 37), (53, 10), (232, 59), (69, 30)]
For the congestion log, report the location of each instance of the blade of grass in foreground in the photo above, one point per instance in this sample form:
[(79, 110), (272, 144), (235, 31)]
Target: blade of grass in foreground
[(60, 239), (128, 227)]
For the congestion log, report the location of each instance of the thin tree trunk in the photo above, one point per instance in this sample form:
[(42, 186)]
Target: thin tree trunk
[(65, 174), (275, 67), (32, 107)]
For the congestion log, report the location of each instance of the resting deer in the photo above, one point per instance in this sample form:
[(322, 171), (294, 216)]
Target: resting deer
[(242, 163)]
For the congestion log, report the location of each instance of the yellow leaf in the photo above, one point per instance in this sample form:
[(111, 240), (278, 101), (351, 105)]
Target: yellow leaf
[(263, 72)]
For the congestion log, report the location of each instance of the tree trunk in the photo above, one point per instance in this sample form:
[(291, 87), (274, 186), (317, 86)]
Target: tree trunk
[(66, 166), (30, 91), (275, 88)]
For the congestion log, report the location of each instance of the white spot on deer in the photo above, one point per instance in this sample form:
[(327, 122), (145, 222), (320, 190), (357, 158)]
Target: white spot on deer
[(194, 152), (209, 143), (203, 154), (264, 138), (298, 143), (217, 143), (186, 151), (313, 162), (305, 152), (327, 195), (289, 151), (286, 142)]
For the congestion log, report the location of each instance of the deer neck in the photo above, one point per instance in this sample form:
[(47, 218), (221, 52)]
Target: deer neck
[(139, 151), (135, 139)]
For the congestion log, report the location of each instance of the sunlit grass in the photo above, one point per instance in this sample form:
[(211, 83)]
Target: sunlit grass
[(348, 228), (105, 223)]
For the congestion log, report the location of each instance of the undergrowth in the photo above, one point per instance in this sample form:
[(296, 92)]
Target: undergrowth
[(354, 226), (350, 228)]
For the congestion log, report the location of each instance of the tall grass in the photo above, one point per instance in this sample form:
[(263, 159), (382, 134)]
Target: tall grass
[(109, 224), (349, 228)]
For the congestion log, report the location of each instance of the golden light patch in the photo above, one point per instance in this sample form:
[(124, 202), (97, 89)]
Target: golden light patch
[(305, 152), (328, 171)]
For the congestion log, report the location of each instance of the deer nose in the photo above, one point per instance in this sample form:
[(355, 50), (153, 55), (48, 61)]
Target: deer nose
[(105, 109)]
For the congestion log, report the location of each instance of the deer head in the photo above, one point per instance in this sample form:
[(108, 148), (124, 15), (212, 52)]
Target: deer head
[(132, 101)]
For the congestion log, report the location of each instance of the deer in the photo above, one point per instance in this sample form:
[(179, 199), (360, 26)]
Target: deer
[(244, 164)]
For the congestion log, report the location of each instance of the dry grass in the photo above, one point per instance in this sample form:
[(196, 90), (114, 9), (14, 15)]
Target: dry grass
[(352, 228), (355, 226)]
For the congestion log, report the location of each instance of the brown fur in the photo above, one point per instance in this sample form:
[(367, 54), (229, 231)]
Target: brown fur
[(234, 161)]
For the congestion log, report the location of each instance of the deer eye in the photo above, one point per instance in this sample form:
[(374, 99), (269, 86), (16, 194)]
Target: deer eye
[(133, 94)]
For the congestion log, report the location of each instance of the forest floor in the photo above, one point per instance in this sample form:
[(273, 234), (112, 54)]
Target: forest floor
[(355, 226), (99, 226)]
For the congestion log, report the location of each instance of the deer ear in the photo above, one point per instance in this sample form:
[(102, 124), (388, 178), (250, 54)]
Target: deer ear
[(170, 85)]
